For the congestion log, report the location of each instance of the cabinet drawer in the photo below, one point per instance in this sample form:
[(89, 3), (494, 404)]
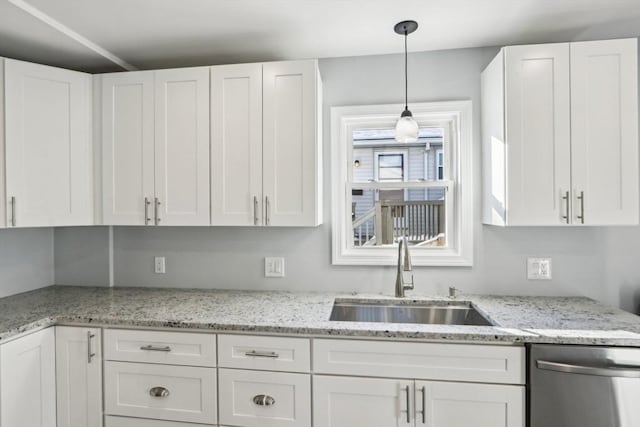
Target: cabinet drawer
[(190, 392), (174, 348), (265, 353), (451, 362), (141, 422), (264, 399)]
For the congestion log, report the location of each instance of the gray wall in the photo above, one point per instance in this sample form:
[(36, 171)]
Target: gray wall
[(26, 260), (597, 262)]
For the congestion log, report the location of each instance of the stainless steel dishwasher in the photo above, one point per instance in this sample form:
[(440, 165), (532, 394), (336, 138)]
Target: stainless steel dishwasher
[(580, 386)]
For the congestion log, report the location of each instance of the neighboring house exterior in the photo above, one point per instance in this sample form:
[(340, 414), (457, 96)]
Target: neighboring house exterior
[(377, 157)]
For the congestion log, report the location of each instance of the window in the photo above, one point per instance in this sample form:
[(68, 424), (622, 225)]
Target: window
[(439, 165), (383, 190)]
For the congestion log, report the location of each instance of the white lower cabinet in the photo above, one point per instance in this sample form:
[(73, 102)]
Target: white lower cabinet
[(164, 392), (79, 377), (28, 386), (110, 421), (351, 401), (264, 399), (451, 404), (372, 402)]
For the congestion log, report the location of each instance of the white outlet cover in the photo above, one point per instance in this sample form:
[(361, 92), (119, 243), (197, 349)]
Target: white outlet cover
[(274, 267), (159, 265), (539, 268)]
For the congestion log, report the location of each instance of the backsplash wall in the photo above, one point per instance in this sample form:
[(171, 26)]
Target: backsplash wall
[(584, 260)]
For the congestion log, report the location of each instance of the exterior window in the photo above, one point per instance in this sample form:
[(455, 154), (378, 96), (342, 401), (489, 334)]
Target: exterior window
[(392, 190), (390, 167)]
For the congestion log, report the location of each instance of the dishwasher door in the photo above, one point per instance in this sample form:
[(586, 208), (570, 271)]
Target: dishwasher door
[(579, 386)]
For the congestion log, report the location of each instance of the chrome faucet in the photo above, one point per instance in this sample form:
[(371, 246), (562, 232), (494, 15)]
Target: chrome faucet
[(404, 264)]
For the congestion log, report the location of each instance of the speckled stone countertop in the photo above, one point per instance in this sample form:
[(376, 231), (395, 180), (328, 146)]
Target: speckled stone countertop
[(566, 320)]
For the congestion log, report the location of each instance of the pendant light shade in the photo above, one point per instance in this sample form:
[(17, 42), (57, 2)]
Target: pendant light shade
[(406, 127)]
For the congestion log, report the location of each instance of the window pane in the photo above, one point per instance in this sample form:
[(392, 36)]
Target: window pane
[(390, 174), (390, 160), (380, 217), (377, 149)]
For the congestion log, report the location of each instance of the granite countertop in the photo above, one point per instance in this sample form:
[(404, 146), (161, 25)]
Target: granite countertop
[(560, 320)]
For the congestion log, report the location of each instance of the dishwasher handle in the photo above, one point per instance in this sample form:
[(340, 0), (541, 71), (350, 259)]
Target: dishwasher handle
[(602, 371)]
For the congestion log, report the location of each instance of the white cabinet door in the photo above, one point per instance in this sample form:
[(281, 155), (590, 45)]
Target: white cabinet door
[(79, 377), (291, 143), (537, 96), (49, 153), (350, 401), (182, 147), (444, 404), (3, 217), (236, 144), (28, 386), (127, 148), (604, 125)]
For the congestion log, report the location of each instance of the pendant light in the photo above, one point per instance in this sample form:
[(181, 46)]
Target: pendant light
[(406, 127)]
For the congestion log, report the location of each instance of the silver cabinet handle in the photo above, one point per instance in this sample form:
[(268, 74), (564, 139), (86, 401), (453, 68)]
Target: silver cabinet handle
[(157, 211), (155, 348), (255, 210), (407, 390), (264, 400), (423, 392), (13, 211), (146, 211), (90, 353), (565, 198), (159, 392), (581, 216), (254, 353), (267, 207), (602, 371)]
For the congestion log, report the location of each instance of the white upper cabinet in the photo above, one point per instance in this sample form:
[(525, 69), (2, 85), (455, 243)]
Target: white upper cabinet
[(292, 143), (127, 148), (266, 144), (3, 212), (560, 134), (28, 386), (604, 131), (236, 144), (182, 147), (49, 157), (155, 139)]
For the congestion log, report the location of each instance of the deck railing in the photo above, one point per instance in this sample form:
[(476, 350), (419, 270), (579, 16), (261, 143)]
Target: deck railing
[(383, 224)]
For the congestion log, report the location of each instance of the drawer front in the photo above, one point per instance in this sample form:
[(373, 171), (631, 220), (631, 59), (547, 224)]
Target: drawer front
[(264, 399), (110, 421), (451, 362), (136, 390), (173, 348), (264, 353)]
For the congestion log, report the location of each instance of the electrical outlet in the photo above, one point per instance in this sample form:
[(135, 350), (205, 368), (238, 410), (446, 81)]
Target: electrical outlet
[(159, 265), (539, 268), (274, 267)]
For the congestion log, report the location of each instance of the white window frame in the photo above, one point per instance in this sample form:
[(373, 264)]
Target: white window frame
[(453, 116)]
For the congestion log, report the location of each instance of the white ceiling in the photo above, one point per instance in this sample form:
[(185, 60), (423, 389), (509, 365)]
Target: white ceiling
[(164, 33)]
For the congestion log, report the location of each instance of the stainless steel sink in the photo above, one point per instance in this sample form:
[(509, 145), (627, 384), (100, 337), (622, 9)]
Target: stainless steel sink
[(441, 313)]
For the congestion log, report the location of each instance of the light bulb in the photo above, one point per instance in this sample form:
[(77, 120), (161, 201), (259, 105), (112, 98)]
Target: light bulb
[(406, 129)]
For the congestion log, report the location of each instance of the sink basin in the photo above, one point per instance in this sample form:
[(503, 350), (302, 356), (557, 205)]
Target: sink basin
[(459, 313)]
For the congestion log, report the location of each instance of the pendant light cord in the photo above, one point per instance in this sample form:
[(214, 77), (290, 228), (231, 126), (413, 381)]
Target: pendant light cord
[(406, 73)]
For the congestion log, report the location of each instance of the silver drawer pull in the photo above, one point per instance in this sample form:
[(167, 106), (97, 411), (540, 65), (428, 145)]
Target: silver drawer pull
[(264, 400), (159, 392), (154, 348), (254, 353), (622, 371)]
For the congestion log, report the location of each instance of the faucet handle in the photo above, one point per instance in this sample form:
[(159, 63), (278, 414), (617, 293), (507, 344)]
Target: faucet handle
[(453, 292)]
